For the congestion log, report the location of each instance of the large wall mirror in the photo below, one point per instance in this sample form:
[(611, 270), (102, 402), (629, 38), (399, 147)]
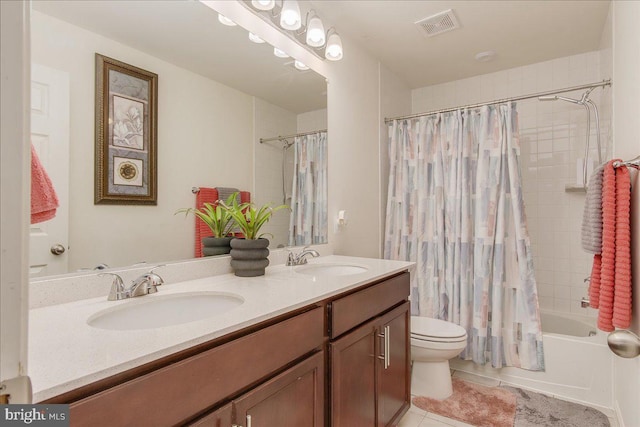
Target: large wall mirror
[(219, 94)]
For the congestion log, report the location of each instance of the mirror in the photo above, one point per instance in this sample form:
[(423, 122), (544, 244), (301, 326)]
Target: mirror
[(218, 94)]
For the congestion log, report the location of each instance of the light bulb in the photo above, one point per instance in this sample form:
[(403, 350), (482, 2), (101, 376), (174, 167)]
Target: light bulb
[(255, 38), (300, 66), (280, 53), (315, 32), (290, 15), (263, 4), (226, 21), (333, 52)]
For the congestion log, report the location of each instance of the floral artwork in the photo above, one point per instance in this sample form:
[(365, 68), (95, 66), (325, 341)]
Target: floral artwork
[(126, 116), (128, 123)]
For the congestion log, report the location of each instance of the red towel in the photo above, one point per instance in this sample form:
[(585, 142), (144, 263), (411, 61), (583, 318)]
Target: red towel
[(622, 290), (612, 292), (209, 195), (44, 200)]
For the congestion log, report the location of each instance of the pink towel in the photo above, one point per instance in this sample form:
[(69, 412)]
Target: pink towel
[(611, 291), (44, 200), (622, 290)]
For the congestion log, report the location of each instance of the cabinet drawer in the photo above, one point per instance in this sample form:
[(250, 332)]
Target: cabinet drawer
[(174, 394), (350, 311)]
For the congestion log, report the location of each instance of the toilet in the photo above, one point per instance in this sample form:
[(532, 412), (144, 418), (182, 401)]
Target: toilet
[(433, 343)]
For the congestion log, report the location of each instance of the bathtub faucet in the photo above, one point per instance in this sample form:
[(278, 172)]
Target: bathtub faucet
[(584, 302)]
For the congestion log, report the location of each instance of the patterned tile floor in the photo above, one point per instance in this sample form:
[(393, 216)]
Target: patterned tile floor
[(417, 417)]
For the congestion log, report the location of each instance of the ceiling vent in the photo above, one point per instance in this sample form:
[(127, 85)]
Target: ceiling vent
[(438, 23)]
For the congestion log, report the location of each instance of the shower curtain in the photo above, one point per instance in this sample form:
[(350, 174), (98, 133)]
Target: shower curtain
[(455, 207), (308, 223)]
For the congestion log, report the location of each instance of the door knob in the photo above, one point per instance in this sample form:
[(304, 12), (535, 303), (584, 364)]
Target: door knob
[(57, 249)]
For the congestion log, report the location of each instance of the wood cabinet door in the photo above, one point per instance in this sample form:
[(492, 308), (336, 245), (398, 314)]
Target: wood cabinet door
[(218, 418), (393, 377), (353, 390), (294, 398)]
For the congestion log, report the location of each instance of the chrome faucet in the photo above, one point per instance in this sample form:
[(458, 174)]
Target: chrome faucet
[(143, 285), (301, 258)]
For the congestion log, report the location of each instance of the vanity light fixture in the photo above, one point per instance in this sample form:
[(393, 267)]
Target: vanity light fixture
[(333, 51), (300, 66), (263, 4), (290, 18), (255, 38), (315, 30), (226, 21), (280, 53)]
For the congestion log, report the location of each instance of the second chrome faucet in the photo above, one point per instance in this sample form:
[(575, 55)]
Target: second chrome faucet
[(301, 258), (143, 285)]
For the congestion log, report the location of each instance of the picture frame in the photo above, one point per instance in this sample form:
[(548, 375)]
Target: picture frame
[(126, 113)]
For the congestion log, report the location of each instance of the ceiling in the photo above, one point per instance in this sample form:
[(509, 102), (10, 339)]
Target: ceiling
[(189, 35), (520, 32)]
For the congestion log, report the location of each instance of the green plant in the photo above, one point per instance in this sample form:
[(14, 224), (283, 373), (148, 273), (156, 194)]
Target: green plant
[(215, 216), (249, 218)]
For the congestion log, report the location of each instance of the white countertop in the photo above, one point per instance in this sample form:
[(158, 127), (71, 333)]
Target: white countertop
[(66, 353)]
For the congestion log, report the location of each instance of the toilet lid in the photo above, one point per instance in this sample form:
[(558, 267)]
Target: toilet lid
[(429, 328)]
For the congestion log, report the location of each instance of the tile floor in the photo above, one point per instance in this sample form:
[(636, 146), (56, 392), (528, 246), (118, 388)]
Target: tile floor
[(417, 417)]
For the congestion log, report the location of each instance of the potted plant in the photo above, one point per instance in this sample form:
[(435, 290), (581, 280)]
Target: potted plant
[(249, 253), (219, 221)]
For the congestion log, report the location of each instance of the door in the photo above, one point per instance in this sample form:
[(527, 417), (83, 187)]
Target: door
[(353, 392), (393, 370), (49, 241), (294, 398)]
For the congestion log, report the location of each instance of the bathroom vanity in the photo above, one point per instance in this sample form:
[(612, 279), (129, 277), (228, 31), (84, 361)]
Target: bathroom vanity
[(340, 358)]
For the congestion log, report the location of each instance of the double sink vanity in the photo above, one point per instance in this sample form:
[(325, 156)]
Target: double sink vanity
[(326, 343)]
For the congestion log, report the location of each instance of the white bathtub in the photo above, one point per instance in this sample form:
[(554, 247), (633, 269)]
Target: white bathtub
[(578, 366)]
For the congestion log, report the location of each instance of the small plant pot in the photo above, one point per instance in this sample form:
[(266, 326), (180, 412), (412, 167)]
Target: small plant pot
[(216, 245), (249, 257)]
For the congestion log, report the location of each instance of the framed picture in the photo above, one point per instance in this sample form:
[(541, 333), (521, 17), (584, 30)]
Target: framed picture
[(126, 134)]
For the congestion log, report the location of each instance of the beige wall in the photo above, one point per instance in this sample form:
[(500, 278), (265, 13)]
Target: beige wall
[(204, 139), (353, 119), (626, 145)]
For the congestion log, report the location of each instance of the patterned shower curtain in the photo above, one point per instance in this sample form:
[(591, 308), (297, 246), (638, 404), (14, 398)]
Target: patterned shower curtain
[(308, 223), (455, 207)]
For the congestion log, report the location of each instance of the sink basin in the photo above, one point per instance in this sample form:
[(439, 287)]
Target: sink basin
[(157, 311), (328, 269)]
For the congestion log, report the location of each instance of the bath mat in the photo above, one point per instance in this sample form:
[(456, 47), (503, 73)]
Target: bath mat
[(535, 410), (474, 404)]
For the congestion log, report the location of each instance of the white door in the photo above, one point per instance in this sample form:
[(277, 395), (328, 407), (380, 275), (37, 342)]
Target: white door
[(49, 240)]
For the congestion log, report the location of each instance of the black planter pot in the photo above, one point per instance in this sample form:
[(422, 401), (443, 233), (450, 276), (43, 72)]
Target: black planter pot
[(249, 257), (216, 245)]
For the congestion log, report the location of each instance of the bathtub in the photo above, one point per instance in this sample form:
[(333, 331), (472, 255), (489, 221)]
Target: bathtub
[(578, 362)]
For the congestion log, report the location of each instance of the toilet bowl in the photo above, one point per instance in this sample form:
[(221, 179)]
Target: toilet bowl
[(433, 343)]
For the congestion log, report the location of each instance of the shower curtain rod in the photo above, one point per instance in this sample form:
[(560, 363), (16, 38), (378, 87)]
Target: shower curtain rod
[(500, 101), (280, 138)]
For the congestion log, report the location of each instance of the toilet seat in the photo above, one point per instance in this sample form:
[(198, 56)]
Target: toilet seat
[(435, 330)]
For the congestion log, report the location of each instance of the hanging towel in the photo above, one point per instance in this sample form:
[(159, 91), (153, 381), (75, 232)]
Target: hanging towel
[(613, 292), (607, 270), (225, 192), (205, 195), (44, 200), (592, 216), (622, 289)]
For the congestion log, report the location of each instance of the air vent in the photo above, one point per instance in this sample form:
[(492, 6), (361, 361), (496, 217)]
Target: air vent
[(438, 23)]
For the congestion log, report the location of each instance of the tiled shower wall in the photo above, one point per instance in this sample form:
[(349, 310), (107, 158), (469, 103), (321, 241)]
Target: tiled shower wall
[(553, 135)]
